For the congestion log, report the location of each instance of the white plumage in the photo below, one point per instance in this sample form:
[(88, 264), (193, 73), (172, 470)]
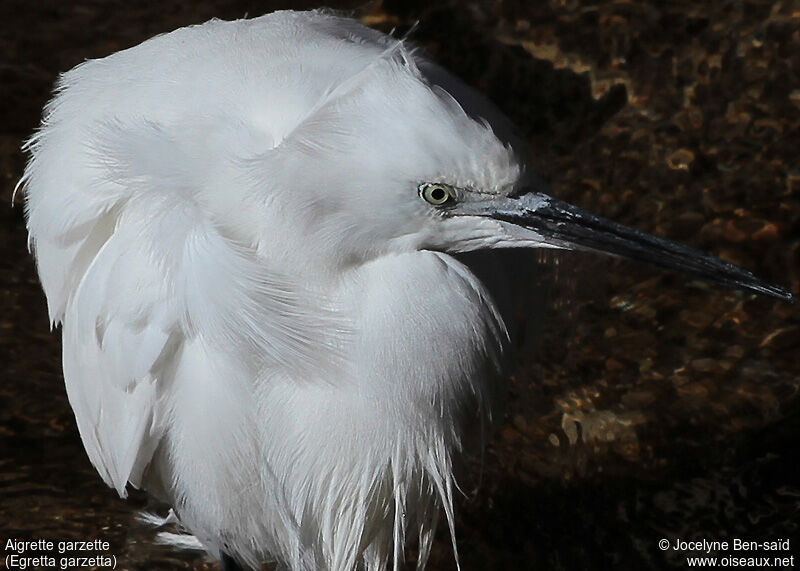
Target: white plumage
[(238, 226), (210, 355)]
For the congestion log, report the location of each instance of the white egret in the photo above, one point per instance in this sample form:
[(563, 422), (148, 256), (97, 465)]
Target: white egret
[(245, 229)]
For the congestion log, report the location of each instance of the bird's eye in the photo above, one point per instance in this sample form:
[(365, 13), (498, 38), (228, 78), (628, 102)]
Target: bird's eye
[(436, 194)]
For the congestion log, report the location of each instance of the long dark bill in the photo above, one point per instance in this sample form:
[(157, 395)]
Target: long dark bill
[(565, 225)]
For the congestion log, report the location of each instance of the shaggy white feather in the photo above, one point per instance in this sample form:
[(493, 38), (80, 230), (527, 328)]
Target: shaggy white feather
[(256, 328)]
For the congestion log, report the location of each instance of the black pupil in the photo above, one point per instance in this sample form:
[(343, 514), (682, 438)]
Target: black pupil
[(437, 194)]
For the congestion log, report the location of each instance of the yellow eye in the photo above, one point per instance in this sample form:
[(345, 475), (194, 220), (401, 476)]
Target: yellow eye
[(436, 194)]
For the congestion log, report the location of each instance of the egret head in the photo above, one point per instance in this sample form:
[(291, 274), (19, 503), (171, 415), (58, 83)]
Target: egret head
[(368, 164), (389, 161)]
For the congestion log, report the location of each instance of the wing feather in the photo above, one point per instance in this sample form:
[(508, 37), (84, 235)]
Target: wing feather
[(140, 271)]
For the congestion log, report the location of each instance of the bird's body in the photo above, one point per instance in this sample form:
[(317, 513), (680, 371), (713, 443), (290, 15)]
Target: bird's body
[(288, 404), (245, 229)]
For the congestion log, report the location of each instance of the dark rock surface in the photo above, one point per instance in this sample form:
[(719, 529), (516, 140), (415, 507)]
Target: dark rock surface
[(649, 407)]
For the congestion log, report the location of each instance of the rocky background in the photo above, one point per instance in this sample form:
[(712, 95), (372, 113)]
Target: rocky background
[(644, 406)]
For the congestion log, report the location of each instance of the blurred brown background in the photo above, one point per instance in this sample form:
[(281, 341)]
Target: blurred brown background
[(649, 406)]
